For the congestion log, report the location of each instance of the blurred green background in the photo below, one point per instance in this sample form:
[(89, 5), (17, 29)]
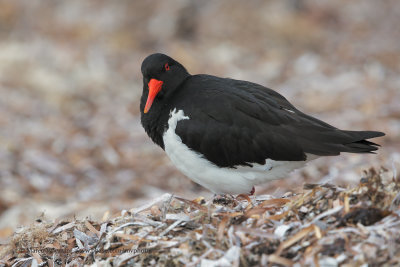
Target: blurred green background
[(71, 142)]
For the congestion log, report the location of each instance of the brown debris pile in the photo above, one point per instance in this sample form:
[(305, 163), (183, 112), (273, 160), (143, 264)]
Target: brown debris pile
[(71, 142), (324, 225)]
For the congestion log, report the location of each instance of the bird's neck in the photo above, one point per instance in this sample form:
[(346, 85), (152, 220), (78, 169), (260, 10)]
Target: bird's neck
[(155, 123)]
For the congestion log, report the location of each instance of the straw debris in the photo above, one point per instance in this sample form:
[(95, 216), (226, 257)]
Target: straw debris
[(323, 225)]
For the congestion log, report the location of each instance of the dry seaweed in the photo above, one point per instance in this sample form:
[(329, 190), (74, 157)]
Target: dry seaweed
[(311, 228)]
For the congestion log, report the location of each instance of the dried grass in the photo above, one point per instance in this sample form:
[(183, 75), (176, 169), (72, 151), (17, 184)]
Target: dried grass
[(322, 225)]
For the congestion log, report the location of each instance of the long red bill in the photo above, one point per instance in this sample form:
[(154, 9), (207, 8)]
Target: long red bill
[(154, 88)]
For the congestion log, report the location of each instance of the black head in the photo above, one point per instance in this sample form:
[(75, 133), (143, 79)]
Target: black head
[(161, 76)]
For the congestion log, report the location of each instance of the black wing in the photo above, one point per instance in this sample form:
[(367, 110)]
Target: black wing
[(239, 123)]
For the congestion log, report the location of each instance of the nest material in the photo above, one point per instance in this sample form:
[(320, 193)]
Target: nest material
[(323, 225)]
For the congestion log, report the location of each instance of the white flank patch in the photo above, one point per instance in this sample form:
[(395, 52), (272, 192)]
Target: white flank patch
[(220, 180)]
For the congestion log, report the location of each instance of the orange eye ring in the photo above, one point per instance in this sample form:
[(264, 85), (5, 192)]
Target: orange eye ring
[(166, 66)]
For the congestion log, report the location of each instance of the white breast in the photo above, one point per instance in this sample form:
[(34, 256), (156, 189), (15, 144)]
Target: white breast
[(220, 180)]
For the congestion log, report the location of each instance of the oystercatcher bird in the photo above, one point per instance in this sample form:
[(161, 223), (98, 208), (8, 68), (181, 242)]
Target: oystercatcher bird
[(230, 135)]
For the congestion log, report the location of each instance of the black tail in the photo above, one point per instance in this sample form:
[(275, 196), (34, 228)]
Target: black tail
[(360, 144)]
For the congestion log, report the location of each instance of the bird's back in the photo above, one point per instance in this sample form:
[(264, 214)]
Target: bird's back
[(236, 122)]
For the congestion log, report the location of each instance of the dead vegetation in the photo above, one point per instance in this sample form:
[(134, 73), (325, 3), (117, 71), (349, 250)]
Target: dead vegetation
[(323, 225), (71, 143)]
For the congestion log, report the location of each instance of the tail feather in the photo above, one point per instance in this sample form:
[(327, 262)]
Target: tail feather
[(361, 135), (362, 145)]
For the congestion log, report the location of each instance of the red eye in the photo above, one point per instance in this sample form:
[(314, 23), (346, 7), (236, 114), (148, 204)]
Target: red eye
[(166, 66)]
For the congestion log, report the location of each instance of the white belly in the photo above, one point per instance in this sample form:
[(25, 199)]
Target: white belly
[(220, 180)]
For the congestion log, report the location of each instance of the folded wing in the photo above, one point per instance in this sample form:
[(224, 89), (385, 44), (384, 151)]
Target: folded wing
[(249, 123)]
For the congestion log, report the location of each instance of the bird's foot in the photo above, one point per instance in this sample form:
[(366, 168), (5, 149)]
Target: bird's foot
[(253, 190), (247, 197)]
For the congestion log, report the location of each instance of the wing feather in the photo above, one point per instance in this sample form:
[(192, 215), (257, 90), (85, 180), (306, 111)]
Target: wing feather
[(240, 123)]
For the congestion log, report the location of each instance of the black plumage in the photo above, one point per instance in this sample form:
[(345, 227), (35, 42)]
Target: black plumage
[(239, 123), (235, 122)]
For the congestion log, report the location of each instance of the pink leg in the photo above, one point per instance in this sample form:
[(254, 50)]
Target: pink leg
[(253, 190)]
